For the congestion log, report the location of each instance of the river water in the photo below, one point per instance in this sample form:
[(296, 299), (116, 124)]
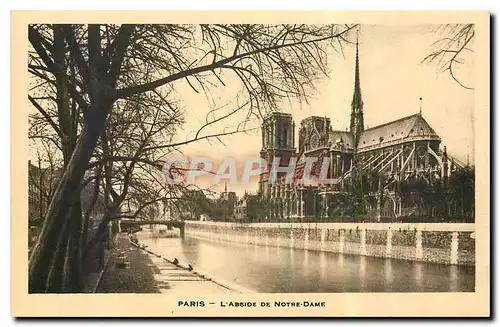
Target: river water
[(270, 269)]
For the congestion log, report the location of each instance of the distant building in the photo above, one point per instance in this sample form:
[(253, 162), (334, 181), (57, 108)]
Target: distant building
[(36, 203), (42, 182), (195, 204), (249, 207), (226, 204)]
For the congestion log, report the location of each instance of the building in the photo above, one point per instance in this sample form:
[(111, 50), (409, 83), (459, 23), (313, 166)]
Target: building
[(42, 183), (195, 204), (248, 207), (36, 200), (192, 205), (406, 148), (226, 204)]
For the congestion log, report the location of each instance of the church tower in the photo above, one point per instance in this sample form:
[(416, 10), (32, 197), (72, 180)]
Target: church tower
[(278, 139), (357, 122)]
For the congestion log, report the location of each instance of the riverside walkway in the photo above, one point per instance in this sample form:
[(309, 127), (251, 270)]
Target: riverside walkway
[(132, 268)]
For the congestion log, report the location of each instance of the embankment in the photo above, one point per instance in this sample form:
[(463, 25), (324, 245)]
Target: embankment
[(446, 243)]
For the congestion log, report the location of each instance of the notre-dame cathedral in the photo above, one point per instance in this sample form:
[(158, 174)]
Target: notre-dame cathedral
[(395, 151)]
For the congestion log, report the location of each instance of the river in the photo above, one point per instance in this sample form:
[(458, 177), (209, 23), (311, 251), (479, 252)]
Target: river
[(269, 269)]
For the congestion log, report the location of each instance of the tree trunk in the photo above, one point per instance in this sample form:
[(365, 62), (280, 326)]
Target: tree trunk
[(65, 196), (101, 230), (64, 233), (85, 230), (54, 280), (64, 273), (73, 280), (63, 216)]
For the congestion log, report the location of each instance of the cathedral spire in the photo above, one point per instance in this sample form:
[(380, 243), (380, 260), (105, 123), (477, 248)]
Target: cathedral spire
[(357, 123)]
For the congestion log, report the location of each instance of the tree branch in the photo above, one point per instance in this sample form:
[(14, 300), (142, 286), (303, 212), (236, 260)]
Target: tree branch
[(46, 116), (129, 91)]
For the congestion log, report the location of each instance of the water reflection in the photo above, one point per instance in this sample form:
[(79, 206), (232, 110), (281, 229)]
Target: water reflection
[(340, 261), (322, 264), (418, 269), (453, 278), (306, 263), (362, 272), (388, 273), (292, 255), (279, 269)]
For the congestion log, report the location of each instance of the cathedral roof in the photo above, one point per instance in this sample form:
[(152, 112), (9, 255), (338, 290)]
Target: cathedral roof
[(414, 126)]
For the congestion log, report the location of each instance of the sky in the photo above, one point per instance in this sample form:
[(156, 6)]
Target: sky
[(393, 78)]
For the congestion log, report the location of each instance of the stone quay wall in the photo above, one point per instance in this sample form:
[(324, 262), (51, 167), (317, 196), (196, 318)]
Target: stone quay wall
[(445, 243)]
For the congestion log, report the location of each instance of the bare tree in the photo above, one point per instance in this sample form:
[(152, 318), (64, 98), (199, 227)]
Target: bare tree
[(61, 270), (131, 174), (90, 70), (450, 50)]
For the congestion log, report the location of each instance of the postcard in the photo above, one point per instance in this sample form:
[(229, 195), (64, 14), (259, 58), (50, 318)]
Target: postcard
[(250, 164)]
